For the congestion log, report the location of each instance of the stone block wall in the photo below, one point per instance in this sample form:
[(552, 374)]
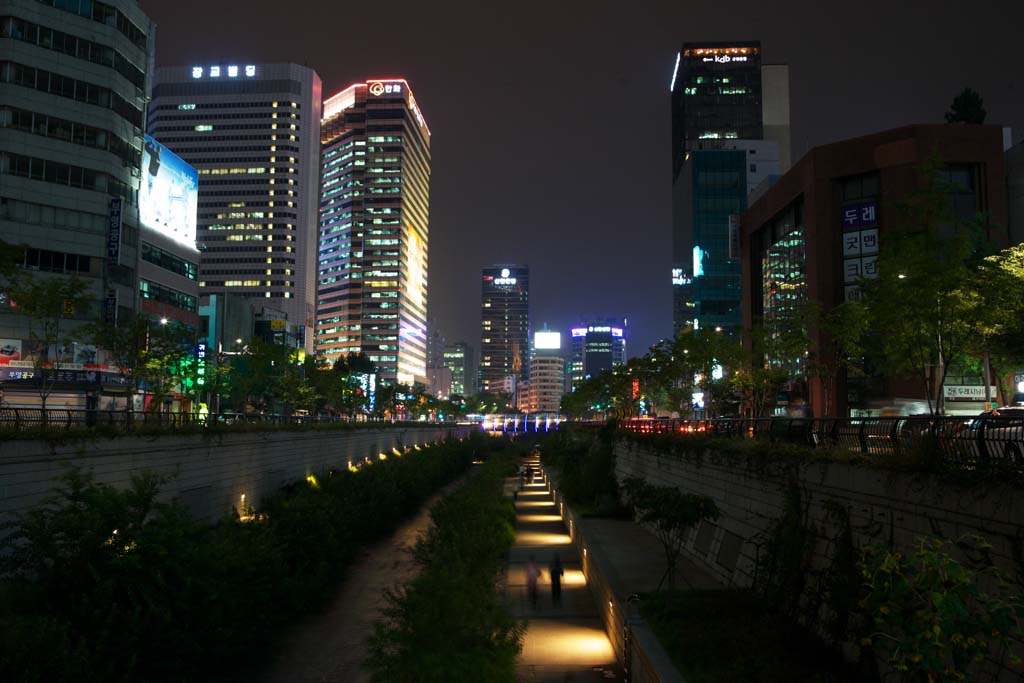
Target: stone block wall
[(209, 473), (883, 506)]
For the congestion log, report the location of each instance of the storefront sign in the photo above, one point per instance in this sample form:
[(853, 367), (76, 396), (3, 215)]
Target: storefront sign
[(114, 232), (962, 392)]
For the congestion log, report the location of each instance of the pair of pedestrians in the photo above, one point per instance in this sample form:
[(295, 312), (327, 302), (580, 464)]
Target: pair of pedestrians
[(533, 575)]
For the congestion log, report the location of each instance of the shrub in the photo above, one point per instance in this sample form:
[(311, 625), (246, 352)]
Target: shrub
[(107, 584)]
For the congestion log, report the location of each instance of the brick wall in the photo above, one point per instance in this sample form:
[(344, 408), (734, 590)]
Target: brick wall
[(208, 473)]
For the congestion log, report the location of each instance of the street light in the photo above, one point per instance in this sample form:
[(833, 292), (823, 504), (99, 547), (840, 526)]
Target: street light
[(902, 276), (163, 321)]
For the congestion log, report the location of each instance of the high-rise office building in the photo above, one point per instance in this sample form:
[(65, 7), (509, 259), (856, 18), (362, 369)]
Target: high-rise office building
[(547, 373), (730, 137), (504, 327), (596, 347), (74, 78), (458, 358), (436, 345), (253, 133), (374, 228)]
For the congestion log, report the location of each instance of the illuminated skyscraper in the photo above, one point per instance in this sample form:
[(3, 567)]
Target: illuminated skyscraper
[(596, 347), (730, 134), (374, 228), (459, 359), (252, 131), (504, 327)]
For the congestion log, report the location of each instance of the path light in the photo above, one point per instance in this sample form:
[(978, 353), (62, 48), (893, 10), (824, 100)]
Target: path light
[(902, 276)]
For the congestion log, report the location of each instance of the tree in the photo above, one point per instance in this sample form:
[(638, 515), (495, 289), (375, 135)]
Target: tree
[(484, 403), (164, 362), (1001, 313), (924, 306), (768, 365), (843, 328), (125, 345), (670, 514), (936, 619), (967, 107), (50, 305)]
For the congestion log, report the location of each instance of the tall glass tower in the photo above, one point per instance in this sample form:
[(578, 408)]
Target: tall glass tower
[(374, 229), (730, 134)]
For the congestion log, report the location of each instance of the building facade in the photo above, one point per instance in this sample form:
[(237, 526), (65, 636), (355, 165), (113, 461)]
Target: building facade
[(547, 384), (168, 257), (253, 133), (374, 229), (458, 358), (730, 132), (504, 327), (1015, 190), (818, 231), (596, 347), (547, 373), (74, 78), (719, 176)]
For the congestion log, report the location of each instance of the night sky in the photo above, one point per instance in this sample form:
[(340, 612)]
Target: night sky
[(550, 120)]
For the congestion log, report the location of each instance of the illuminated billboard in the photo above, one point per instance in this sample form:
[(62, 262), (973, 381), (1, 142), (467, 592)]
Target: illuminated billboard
[(547, 340), (168, 194)]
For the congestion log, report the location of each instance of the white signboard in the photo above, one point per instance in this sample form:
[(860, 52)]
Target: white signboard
[(961, 392)]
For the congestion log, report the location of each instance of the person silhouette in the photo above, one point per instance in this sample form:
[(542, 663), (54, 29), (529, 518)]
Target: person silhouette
[(556, 572), (532, 575)]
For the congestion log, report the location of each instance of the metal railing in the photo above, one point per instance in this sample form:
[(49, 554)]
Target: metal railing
[(28, 419), (966, 442)]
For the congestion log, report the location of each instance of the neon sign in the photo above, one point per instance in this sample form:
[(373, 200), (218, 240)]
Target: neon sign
[(679, 279), (724, 59), (505, 278), (377, 88), (232, 71)]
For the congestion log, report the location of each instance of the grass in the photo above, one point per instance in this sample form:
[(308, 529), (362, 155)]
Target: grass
[(725, 636)]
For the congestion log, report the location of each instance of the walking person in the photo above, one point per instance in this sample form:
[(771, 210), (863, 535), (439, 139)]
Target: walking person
[(532, 574), (556, 572)]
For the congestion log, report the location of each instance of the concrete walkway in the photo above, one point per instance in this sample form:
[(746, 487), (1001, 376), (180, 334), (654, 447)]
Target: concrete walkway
[(562, 643)]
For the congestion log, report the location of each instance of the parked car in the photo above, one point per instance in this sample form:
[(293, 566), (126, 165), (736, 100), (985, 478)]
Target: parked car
[(1000, 430)]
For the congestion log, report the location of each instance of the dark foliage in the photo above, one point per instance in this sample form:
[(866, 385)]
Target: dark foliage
[(108, 584), (448, 625)]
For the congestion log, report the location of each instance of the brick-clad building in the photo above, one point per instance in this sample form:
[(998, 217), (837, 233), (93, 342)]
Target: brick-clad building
[(820, 228)]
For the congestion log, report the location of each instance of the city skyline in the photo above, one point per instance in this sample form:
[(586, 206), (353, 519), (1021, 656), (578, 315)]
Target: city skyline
[(489, 92)]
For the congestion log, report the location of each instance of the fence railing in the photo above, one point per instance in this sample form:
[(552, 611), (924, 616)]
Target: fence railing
[(968, 442), (27, 419)]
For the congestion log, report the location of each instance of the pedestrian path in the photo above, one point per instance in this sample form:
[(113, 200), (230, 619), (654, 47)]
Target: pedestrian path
[(565, 642)]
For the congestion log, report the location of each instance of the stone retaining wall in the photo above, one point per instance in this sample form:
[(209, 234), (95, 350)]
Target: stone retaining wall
[(883, 506), (649, 661), (209, 473)]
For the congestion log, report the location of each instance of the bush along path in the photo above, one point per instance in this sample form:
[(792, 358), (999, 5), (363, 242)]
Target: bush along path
[(107, 584), (448, 624)]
